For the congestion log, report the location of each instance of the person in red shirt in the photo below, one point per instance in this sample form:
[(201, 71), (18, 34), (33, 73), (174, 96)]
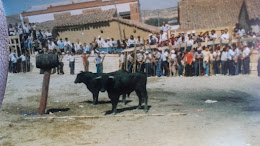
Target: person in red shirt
[(189, 61), (85, 61)]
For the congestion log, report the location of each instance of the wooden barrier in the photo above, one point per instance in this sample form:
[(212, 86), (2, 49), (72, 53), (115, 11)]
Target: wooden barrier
[(185, 45)]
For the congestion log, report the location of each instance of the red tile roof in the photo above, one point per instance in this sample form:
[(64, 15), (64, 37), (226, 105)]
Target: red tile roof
[(93, 17), (253, 8), (200, 14)]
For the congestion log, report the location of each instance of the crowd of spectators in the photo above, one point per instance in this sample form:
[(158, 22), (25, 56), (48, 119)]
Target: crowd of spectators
[(203, 61), (225, 59)]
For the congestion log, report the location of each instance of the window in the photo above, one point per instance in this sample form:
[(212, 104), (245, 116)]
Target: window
[(125, 15)]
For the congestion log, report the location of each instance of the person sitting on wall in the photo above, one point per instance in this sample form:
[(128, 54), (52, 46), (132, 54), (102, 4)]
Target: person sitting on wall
[(131, 42)]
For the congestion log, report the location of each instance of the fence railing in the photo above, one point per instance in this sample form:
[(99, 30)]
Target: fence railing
[(183, 45)]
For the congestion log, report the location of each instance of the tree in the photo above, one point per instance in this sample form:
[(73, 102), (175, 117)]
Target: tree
[(154, 21)]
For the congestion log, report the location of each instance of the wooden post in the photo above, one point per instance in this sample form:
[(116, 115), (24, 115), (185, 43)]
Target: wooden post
[(134, 70), (45, 89), (126, 63), (230, 33), (221, 44), (214, 45)]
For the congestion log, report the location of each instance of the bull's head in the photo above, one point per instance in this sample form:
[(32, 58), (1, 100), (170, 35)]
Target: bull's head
[(79, 78), (104, 80)]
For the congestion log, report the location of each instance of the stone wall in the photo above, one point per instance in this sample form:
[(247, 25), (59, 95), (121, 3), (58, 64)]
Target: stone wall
[(134, 11), (110, 30)]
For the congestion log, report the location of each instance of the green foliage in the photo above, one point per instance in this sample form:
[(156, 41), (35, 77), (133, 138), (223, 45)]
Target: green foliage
[(154, 21)]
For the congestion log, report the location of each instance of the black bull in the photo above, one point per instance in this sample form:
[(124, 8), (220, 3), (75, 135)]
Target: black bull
[(117, 85), (94, 85)]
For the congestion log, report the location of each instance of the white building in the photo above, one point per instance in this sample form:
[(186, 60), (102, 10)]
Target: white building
[(127, 9)]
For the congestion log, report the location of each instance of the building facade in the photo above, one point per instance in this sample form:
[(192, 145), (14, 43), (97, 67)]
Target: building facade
[(127, 9)]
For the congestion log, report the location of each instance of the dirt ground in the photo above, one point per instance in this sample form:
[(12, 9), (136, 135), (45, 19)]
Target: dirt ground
[(234, 120)]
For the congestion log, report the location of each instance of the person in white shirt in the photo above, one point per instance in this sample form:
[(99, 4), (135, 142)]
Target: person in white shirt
[(163, 39), (230, 62), (237, 59), (26, 29), (211, 62), (139, 41), (165, 63), (140, 58), (221, 37), (173, 63), (216, 61), (224, 58), (245, 58), (131, 42), (67, 45), (51, 46), (130, 62), (48, 34), (165, 27), (122, 61), (14, 63), (225, 36), (191, 41), (105, 44), (148, 61), (213, 35), (23, 59), (152, 40), (187, 37), (100, 41), (71, 59), (77, 45)]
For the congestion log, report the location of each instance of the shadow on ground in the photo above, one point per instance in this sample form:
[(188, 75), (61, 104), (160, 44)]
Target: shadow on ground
[(57, 110), (127, 109)]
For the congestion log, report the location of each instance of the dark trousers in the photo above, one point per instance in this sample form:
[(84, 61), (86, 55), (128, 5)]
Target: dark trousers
[(180, 70), (198, 68), (165, 68), (258, 67), (130, 67), (224, 67), (188, 70), (246, 62), (24, 66), (140, 67), (72, 65), (238, 67), (216, 67), (231, 67), (60, 68), (99, 68), (148, 69), (10, 66), (28, 66), (14, 67)]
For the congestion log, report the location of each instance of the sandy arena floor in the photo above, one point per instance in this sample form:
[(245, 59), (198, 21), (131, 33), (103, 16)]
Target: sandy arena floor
[(233, 121)]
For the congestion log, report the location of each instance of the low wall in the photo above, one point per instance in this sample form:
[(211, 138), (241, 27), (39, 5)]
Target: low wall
[(111, 63)]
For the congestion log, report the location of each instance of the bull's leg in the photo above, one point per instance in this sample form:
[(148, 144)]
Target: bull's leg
[(124, 99), (145, 97), (95, 98), (140, 99), (114, 101)]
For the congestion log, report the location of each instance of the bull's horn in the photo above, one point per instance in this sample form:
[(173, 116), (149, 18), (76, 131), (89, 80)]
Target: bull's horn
[(98, 78), (111, 77)]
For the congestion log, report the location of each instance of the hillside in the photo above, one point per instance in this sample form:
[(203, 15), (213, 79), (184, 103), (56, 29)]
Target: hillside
[(163, 13)]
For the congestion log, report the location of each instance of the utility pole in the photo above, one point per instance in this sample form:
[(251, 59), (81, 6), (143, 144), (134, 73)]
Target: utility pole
[(140, 12), (119, 27)]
